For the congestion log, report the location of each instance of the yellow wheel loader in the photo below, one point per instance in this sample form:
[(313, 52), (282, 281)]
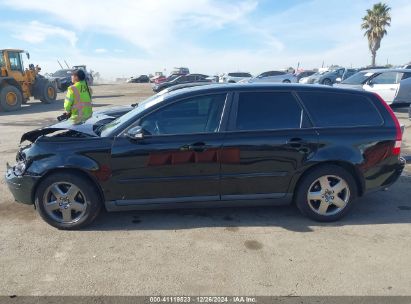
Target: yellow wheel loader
[(17, 84)]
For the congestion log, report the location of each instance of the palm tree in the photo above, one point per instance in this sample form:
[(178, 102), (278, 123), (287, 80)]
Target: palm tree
[(374, 24)]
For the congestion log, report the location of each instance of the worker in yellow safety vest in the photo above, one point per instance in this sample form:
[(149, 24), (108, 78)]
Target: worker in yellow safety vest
[(78, 99)]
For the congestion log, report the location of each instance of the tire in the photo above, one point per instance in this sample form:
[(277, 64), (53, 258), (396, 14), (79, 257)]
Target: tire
[(11, 98), (327, 81), (286, 81), (309, 189), (48, 92), (80, 210)]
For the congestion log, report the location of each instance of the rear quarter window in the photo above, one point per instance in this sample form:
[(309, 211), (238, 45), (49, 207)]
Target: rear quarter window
[(329, 109)]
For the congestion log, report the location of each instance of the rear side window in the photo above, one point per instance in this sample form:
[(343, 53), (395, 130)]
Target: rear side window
[(340, 110), (268, 111)]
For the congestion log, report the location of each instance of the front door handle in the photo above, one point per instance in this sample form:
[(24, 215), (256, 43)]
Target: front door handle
[(198, 147)]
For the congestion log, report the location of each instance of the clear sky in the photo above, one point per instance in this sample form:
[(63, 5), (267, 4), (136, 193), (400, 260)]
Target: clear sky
[(122, 38)]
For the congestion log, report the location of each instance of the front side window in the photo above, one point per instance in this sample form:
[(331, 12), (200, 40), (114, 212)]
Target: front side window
[(15, 61), (340, 110), (200, 114), (268, 111)]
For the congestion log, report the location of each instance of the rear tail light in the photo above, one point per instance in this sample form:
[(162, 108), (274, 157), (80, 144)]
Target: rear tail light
[(398, 134)]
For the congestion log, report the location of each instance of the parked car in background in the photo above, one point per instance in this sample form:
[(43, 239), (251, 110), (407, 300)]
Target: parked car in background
[(162, 79), (304, 74), (158, 79), (284, 78), (327, 77), (139, 79), (180, 71), (393, 85), (216, 145), (347, 74), (313, 78), (181, 79), (62, 78), (271, 73), (156, 76), (235, 77)]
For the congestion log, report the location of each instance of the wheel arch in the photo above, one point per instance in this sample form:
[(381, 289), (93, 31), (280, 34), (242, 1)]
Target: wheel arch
[(4, 81), (350, 168), (77, 171)]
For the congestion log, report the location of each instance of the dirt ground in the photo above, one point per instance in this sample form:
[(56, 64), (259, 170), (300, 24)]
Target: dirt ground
[(247, 251)]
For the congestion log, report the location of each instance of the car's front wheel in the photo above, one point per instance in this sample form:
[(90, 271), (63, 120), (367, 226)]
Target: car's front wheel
[(67, 201), (326, 193)]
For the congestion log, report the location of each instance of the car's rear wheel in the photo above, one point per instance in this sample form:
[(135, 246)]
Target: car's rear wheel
[(326, 193), (286, 81), (67, 201)]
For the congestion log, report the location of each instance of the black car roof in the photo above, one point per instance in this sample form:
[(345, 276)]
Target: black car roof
[(211, 88)]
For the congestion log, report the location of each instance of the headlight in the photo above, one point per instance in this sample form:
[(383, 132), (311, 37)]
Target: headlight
[(19, 168)]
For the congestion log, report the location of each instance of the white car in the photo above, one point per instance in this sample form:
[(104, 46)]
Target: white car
[(283, 77), (393, 85), (235, 77)]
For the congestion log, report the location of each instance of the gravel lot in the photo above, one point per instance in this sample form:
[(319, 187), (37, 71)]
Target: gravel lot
[(247, 251)]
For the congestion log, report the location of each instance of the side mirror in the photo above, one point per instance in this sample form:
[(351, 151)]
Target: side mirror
[(28, 55), (338, 80), (135, 133)]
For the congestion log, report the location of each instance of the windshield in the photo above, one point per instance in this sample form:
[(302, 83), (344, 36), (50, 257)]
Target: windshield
[(358, 78), (117, 123)]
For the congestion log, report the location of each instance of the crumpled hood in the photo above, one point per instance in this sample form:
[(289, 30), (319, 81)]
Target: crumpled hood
[(86, 128)]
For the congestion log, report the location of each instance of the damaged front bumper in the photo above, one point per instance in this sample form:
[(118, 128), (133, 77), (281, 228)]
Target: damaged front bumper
[(22, 187)]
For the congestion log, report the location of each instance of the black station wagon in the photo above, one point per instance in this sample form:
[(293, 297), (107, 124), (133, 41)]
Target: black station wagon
[(214, 145)]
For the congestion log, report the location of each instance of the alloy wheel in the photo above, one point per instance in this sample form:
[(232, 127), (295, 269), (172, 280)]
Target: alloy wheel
[(328, 195), (64, 202)]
